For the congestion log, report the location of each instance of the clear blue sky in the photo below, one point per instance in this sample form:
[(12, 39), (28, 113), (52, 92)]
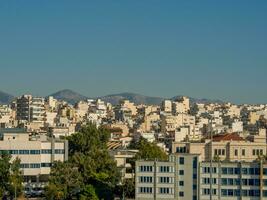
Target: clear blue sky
[(212, 49)]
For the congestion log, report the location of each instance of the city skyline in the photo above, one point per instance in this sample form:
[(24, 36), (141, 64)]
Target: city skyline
[(203, 50)]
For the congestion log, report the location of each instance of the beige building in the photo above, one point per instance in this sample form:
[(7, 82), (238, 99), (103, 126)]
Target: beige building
[(169, 123), (36, 152), (181, 105), (226, 147), (167, 106), (129, 105), (149, 121), (253, 117)]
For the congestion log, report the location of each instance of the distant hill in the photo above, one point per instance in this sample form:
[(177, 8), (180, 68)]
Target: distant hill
[(5, 98), (68, 96), (136, 98), (141, 99)]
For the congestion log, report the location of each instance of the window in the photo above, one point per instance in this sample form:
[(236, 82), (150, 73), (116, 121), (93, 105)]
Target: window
[(181, 172), (224, 181), (181, 160), (164, 190), (146, 169), (164, 169), (244, 171), (145, 179), (230, 171), (236, 171), (181, 183), (34, 152), (24, 166), (24, 152), (206, 191), (243, 152), (46, 165), (181, 194), (59, 151), (195, 163), (254, 152), (146, 190), (224, 170), (224, 192), (165, 180), (34, 165), (236, 152), (46, 151)]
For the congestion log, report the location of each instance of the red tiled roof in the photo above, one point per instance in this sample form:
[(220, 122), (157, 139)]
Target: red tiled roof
[(227, 137)]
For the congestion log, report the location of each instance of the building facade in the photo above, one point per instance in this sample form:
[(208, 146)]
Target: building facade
[(185, 177), (36, 153)]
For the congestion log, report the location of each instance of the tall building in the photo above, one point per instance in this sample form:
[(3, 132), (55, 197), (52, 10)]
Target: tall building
[(167, 106), (23, 107), (30, 109)]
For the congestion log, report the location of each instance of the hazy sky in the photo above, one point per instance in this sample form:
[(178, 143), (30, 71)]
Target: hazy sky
[(212, 49)]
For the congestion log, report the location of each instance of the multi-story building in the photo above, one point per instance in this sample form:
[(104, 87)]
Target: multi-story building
[(36, 152), (30, 109), (23, 107), (167, 106), (185, 177), (233, 181), (226, 147), (173, 179)]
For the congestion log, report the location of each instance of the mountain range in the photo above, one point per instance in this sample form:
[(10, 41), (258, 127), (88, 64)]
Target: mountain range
[(73, 97), (5, 98)]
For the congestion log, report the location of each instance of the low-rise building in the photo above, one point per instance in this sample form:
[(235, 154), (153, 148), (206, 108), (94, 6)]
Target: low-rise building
[(36, 152)]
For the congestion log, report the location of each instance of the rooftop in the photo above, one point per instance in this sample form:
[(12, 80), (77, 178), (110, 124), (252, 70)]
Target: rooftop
[(228, 137)]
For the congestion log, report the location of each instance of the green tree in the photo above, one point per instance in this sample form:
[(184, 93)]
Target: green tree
[(90, 158), (128, 188), (148, 151), (65, 181), (10, 176), (15, 178), (4, 173), (88, 193)]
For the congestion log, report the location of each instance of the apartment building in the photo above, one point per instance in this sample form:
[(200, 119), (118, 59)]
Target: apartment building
[(36, 152), (173, 179), (226, 147), (233, 181), (30, 109), (185, 177)]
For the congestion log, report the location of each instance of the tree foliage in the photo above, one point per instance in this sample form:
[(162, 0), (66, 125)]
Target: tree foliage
[(10, 176), (90, 158), (148, 151), (65, 181)]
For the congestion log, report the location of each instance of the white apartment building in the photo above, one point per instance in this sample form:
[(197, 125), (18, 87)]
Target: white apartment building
[(169, 180), (37, 153), (185, 177)]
